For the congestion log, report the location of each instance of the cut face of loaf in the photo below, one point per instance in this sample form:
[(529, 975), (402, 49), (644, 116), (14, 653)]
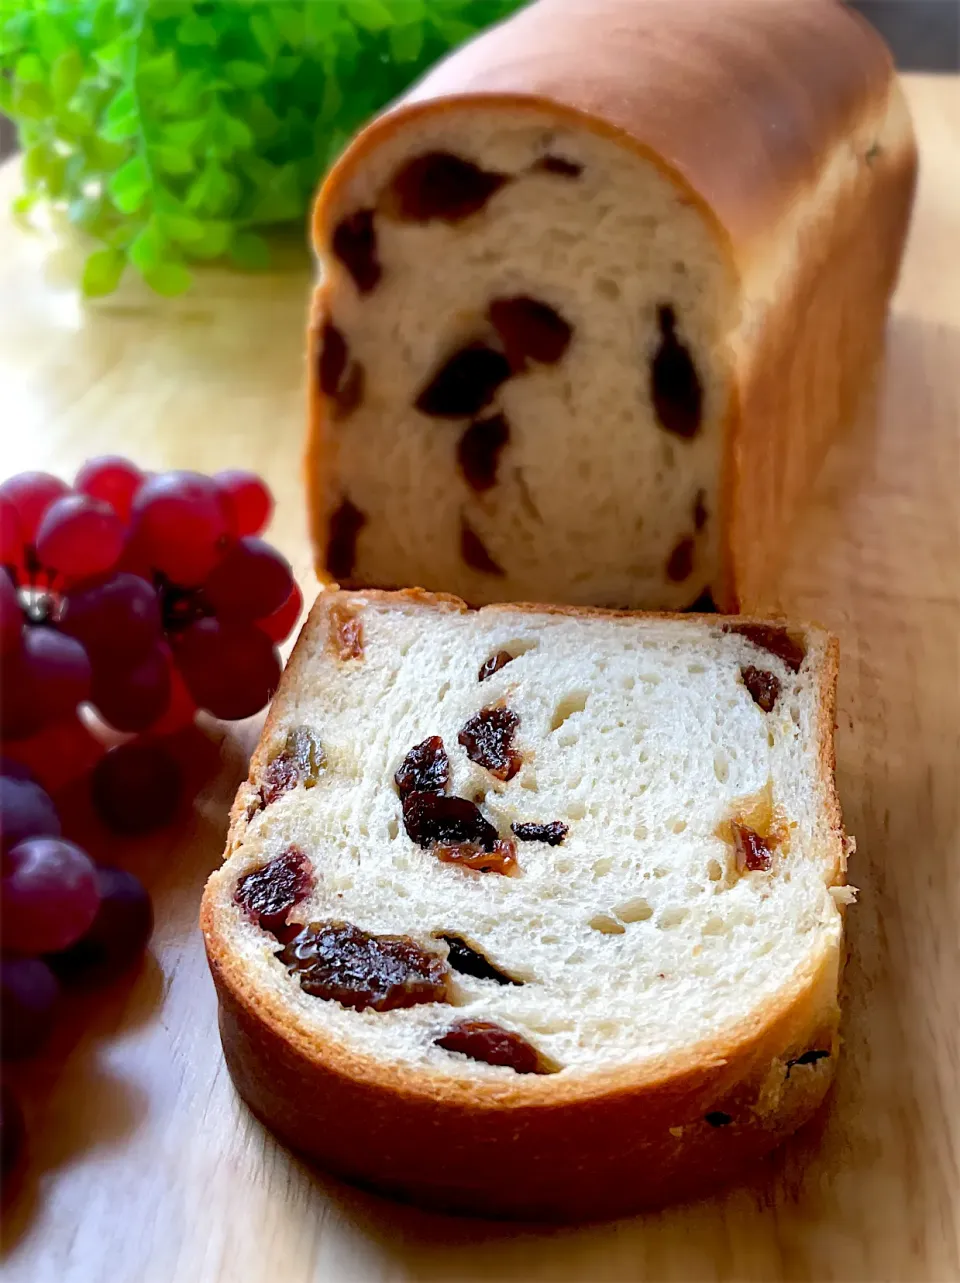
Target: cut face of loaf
[(596, 298), (524, 857), (545, 378)]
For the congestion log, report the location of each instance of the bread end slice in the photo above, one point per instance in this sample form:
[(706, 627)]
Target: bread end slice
[(662, 987)]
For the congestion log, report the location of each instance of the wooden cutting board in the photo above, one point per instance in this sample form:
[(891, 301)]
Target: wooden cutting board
[(147, 1169)]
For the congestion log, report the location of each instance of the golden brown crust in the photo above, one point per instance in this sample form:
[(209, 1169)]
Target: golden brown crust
[(434, 1138)]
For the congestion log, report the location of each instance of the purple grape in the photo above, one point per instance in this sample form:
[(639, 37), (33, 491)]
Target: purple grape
[(48, 895), (11, 769), (118, 936), (230, 669), (59, 672), (119, 619), (13, 1132), (25, 811), (28, 1002), (136, 788), (132, 699), (251, 581)]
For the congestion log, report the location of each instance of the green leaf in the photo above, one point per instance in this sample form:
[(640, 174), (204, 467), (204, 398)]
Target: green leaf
[(148, 248), (102, 154), (320, 20), (280, 197), (183, 133), (168, 279), (65, 75), (102, 272), (29, 70), (23, 202), (371, 15), (32, 101), (406, 42), (250, 251), (184, 98), (213, 241), (246, 75), (332, 101), (129, 185), (265, 33), (35, 162), (289, 22), (453, 30), (172, 160), (116, 58), (405, 11), (195, 30), (158, 73), (261, 118), (122, 119), (213, 191), (238, 132)]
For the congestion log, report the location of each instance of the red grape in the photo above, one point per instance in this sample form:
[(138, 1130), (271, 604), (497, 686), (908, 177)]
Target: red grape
[(25, 812), (230, 669), (112, 479), (58, 754), (136, 788), (32, 493), (42, 682), (80, 537), (181, 709), (181, 525), (11, 616), (118, 936), (49, 895), (11, 535), (28, 1002), (250, 582), (117, 620), (20, 711), (133, 698), (12, 1131), (279, 625), (248, 500)]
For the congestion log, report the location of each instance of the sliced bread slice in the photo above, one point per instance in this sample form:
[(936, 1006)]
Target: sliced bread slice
[(533, 911)]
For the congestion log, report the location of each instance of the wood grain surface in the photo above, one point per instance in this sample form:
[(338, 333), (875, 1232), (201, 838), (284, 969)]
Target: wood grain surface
[(146, 1168)]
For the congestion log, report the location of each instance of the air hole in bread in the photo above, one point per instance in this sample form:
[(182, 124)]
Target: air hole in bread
[(345, 525), (478, 451), (678, 826), (575, 702), (607, 288), (393, 829), (640, 832), (714, 870), (602, 866), (354, 243), (673, 916), (468, 960), (636, 909), (721, 766), (558, 166), (443, 692), (674, 384), (715, 926), (606, 924), (465, 384), (528, 781), (629, 682), (576, 810), (439, 186)]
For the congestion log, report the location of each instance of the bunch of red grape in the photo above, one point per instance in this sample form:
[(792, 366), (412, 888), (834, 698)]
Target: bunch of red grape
[(126, 604)]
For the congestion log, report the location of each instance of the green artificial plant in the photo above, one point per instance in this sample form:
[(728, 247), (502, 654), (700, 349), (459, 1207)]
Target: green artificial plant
[(173, 131)]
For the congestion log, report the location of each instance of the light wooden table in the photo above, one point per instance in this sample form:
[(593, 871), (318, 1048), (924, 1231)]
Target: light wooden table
[(146, 1167)]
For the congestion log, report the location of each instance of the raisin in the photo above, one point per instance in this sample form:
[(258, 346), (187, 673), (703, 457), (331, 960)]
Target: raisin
[(442, 186), (674, 385), (500, 858), (334, 358), (346, 633), (345, 524), (300, 761), (338, 961), (355, 245), (350, 393), (808, 1058), (680, 561), (700, 510), (488, 736), (465, 383), (474, 552), (493, 665), (558, 165), (751, 849), (717, 1118), (425, 769), (483, 1040), (269, 893), (433, 817), (471, 962), (529, 329), (704, 604), (478, 451), (775, 640), (764, 687), (552, 833)]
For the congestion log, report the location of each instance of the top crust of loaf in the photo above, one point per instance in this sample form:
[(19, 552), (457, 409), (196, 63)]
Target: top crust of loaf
[(781, 82), (802, 1010)]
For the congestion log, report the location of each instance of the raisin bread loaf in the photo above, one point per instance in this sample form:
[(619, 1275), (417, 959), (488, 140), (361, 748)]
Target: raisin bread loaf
[(535, 911), (596, 297)]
